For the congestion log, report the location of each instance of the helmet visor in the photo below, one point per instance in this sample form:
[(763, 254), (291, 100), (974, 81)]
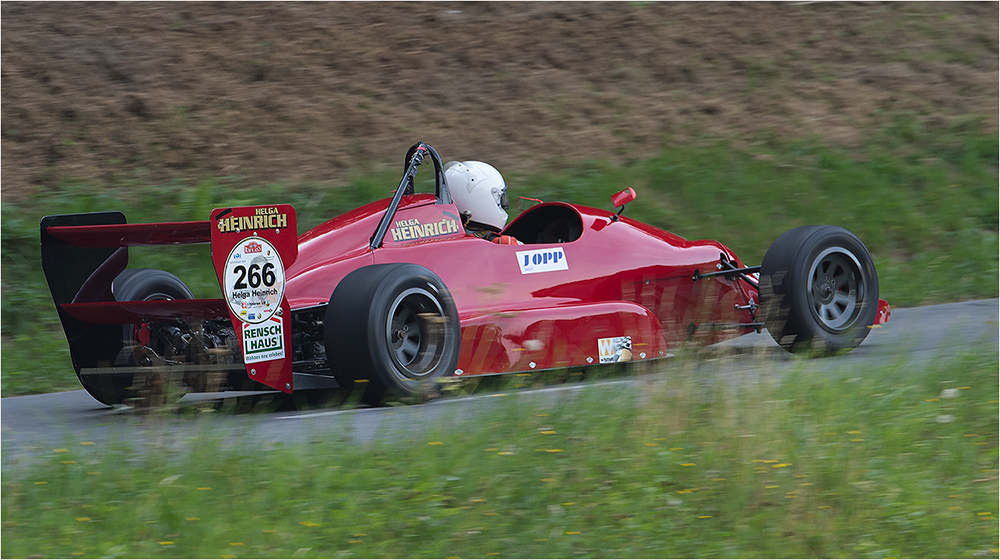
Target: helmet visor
[(504, 203)]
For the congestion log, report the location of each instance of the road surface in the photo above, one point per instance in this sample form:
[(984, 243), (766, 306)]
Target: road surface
[(34, 425)]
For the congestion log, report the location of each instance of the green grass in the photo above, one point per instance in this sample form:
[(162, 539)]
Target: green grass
[(923, 200), (893, 461)]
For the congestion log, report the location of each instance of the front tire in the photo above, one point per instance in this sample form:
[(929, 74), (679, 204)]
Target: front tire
[(818, 290), (394, 325)]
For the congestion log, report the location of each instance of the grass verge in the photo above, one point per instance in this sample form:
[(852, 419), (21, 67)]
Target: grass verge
[(814, 461), (924, 201)]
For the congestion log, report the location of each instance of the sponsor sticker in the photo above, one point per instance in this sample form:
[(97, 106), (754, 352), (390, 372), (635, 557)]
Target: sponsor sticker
[(617, 349), (406, 230), (542, 260), (263, 341), (254, 280), (262, 218)]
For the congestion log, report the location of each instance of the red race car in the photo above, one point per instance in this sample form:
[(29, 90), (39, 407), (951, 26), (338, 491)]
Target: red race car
[(396, 294)]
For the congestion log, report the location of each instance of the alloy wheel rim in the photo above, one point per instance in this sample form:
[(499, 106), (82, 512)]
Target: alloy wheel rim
[(414, 333), (836, 288)]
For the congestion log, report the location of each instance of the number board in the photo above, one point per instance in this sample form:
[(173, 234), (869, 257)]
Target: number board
[(252, 246), (254, 280)]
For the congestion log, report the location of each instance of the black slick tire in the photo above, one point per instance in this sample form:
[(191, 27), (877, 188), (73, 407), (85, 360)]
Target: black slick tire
[(818, 290), (139, 284), (395, 326)]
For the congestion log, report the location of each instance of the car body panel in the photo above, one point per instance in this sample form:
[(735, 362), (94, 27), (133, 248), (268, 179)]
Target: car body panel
[(618, 278)]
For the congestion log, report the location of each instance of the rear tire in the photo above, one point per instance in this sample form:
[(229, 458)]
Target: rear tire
[(394, 325), (818, 290), (140, 284)]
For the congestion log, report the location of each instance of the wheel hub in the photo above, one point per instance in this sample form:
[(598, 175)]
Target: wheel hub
[(836, 288), (399, 332), (825, 291)]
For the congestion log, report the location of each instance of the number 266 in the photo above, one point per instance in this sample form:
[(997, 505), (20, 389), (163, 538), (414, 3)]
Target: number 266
[(254, 275)]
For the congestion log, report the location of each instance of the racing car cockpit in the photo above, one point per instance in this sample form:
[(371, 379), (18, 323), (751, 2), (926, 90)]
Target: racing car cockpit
[(547, 223)]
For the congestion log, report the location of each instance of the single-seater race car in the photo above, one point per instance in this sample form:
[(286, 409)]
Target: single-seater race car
[(394, 295)]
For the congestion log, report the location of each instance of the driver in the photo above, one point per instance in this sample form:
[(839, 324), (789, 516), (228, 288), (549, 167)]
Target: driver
[(481, 196)]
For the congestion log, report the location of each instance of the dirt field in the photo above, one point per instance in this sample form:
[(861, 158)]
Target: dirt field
[(299, 92)]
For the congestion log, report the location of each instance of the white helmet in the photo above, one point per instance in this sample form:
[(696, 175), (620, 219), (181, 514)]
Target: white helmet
[(479, 192)]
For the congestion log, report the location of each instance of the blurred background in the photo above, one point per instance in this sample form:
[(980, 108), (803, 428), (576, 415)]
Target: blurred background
[(97, 93)]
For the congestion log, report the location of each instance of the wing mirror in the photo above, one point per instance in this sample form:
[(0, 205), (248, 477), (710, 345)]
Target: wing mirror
[(524, 202), (620, 199)]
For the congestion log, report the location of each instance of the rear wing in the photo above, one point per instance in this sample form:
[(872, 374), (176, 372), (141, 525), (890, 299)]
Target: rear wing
[(82, 254)]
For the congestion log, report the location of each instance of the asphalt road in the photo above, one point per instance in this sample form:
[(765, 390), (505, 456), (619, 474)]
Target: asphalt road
[(34, 425)]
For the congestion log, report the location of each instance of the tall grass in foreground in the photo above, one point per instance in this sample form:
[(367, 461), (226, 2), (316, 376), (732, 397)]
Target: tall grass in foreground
[(897, 461), (923, 200)]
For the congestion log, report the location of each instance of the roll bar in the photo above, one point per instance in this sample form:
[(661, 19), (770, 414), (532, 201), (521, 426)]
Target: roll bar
[(414, 157)]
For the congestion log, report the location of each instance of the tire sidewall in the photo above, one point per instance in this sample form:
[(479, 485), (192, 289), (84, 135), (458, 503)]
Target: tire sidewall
[(867, 301), (147, 284), (134, 284), (355, 330), (401, 279), (791, 317), (141, 284)]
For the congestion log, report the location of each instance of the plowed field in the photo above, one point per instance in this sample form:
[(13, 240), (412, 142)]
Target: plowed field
[(104, 92)]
